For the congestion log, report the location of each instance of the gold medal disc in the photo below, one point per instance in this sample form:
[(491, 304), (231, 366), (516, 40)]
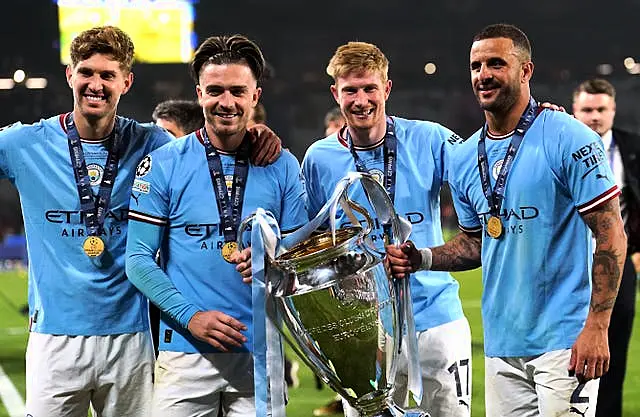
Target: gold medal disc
[(494, 227), (93, 246), (227, 249)]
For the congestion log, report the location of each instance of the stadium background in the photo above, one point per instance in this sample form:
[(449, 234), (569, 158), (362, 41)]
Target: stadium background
[(572, 40)]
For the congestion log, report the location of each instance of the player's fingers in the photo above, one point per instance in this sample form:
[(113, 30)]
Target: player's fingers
[(247, 280), (228, 321), (215, 343), (397, 261), (246, 273), (275, 152), (572, 362), (605, 366), (599, 369), (580, 367), (227, 338), (407, 247)]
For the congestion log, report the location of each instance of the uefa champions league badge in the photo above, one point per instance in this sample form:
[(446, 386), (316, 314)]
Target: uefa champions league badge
[(144, 167)]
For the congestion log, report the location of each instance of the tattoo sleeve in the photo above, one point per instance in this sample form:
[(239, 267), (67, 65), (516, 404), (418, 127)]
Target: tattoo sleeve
[(459, 254), (608, 260)]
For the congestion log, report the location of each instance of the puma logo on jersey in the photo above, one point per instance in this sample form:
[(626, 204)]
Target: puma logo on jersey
[(581, 413)]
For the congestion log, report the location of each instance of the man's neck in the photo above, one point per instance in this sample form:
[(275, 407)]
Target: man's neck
[(504, 123), (93, 130), (367, 137), (227, 143)]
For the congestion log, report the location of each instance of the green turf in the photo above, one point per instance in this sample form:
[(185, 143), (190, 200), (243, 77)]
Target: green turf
[(305, 398)]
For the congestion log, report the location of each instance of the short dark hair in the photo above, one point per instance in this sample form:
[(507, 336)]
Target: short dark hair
[(232, 49), (505, 30), (108, 40), (333, 115), (186, 114), (259, 115), (595, 86)]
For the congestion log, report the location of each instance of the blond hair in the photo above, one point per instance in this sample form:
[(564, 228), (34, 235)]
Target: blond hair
[(356, 57)]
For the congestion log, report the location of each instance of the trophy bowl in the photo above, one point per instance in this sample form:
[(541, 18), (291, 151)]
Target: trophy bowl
[(332, 299)]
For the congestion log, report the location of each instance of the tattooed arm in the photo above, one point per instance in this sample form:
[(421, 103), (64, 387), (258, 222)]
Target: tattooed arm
[(590, 353), (459, 254)]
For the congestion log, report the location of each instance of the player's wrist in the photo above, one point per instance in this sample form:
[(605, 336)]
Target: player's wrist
[(426, 259)]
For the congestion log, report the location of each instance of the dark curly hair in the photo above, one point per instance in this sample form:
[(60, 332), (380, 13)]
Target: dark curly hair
[(234, 49)]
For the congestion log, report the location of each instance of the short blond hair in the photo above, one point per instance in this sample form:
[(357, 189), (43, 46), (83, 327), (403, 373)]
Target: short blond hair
[(356, 57)]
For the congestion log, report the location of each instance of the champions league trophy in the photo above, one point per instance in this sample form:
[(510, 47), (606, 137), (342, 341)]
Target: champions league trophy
[(331, 298)]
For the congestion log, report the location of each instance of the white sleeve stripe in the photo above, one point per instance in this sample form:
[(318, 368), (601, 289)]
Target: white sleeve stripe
[(147, 218), (469, 229), (608, 195)]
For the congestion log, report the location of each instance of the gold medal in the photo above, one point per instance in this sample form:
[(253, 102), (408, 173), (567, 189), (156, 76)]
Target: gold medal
[(494, 227), (227, 249), (93, 246)]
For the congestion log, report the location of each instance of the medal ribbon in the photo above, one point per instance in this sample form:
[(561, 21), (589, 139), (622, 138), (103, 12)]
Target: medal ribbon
[(390, 161), (495, 196), (230, 209), (93, 208)]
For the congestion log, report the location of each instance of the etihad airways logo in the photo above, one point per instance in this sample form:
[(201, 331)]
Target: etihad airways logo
[(73, 222), (517, 216)]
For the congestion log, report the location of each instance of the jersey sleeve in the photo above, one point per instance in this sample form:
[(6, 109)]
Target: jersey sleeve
[(439, 148), (148, 217), (468, 220), (294, 210), (157, 137), (10, 136), (311, 183), (585, 168)]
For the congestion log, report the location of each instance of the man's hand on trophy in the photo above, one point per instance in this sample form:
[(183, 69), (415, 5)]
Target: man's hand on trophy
[(403, 259), (265, 145), (217, 329), (243, 261)]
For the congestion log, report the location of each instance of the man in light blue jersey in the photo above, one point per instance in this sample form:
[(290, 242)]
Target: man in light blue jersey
[(407, 157), (528, 187), (193, 194), (89, 340), (89, 344)]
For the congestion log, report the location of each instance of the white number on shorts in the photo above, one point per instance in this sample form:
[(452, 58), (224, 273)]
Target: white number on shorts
[(453, 369)]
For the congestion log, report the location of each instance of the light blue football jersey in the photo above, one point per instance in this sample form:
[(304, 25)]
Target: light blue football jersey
[(420, 172), (68, 294), (174, 196), (537, 276)]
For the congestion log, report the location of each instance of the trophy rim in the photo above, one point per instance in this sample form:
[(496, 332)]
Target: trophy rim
[(319, 244)]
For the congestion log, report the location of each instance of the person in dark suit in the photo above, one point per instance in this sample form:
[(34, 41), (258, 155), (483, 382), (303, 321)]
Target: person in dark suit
[(594, 104)]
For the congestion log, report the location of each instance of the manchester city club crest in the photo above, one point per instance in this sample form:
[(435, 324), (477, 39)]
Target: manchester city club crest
[(496, 169), (95, 172), (144, 167)]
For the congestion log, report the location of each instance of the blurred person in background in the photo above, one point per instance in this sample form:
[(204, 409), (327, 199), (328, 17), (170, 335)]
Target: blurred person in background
[(374, 142), (529, 188), (206, 359), (178, 117), (333, 121), (594, 103)]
